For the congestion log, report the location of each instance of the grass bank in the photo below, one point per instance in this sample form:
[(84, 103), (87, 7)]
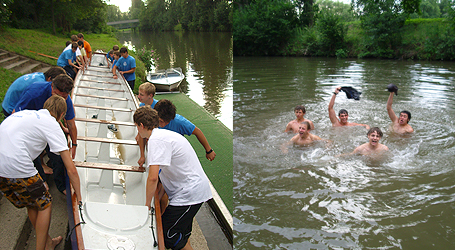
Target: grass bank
[(26, 42)]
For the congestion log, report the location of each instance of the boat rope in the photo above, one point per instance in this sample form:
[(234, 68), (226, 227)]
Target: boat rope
[(81, 222), (151, 226)]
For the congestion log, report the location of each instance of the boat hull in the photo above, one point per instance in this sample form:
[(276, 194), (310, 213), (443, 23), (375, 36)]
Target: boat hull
[(166, 80), (113, 189)]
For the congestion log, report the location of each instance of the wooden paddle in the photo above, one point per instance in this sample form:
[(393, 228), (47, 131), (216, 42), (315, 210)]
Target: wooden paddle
[(44, 55)]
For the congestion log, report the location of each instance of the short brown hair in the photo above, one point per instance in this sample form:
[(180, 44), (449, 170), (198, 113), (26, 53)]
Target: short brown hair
[(308, 127), (375, 129), (148, 88), (147, 116), (300, 107), (117, 53), (166, 110), (123, 50), (80, 35), (56, 106), (63, 83), (74, 38), (54, 72), (115, 48)]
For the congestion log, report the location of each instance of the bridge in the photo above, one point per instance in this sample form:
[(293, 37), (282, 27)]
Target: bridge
[(126, 24)]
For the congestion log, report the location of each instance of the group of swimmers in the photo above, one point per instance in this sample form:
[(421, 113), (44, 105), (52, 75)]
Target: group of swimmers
[(303, 126)]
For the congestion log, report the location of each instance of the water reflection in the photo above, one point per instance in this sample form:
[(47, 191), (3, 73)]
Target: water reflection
[(206, 61), (311, 199)]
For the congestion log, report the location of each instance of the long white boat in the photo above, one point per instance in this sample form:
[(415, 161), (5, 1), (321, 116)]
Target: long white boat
[(113, 214), (166, 80)]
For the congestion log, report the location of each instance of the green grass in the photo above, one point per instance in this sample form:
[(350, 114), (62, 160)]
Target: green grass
[(22, 41), (6, 78)]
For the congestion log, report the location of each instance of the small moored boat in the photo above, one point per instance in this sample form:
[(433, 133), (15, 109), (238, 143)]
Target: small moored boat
[(166, 80)]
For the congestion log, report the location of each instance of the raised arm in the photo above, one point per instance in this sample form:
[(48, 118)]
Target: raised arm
[(392, 114), (332, 114), (201, 137)]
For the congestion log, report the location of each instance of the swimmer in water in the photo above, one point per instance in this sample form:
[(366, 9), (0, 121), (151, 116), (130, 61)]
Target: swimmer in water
[(304, 138), (293, 126), (342, 114), (399, 124), (371, 147)]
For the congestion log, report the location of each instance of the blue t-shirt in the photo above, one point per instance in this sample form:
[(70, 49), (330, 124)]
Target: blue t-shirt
[(64, 57), (110, 58), (113, 63), (125, 64), (16, 89), (153, 104), (36, 95), (180, 125)]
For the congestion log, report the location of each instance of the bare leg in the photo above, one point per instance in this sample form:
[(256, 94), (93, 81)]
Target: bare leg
[(41, 221), (187, 246)]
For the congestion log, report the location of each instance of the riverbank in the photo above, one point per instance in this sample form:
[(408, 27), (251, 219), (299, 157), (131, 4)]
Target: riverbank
[(28, 42)]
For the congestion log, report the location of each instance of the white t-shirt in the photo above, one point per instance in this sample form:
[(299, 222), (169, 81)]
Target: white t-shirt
[(78, 51), (23, 136), (181, 172)]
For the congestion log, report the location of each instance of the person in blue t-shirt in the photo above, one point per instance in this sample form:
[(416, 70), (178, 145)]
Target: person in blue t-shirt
[(146, 93), (34, 98), (16, 89), (177, 123), (65, 60), (126, 66)]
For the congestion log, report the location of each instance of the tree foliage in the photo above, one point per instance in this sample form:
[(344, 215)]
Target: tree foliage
[(58, 15), (197, 15), (263, 27)]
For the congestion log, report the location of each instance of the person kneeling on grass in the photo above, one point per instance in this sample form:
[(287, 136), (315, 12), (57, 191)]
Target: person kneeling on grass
[(24, 136), (172, 158)]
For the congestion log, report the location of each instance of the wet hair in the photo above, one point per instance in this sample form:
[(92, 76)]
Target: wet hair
[(166, 110), (147, 116), (115, 48), (73, 38), (123, 50), (300, 107), (80, 43), (148, 88), (53, 72), (80, 35), (308, 127), (408, 113), (63, 83), (67, 43), (342, 111), (375, 129), (56, 106)]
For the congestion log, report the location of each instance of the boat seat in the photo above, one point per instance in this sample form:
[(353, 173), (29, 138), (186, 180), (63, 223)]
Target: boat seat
[(127, 217)]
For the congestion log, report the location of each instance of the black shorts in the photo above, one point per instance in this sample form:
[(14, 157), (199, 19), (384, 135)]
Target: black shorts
[(178, 224)]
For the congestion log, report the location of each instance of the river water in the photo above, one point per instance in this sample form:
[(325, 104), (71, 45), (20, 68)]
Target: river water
[(206, 61), (311, 199)]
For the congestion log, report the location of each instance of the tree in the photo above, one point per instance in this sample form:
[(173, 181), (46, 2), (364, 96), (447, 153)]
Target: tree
[(382, 22), (263, 27)]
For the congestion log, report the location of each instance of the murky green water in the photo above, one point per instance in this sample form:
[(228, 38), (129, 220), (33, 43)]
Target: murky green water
[(206, 61), (310, 199)]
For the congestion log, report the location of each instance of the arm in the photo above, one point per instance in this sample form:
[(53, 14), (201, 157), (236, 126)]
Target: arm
[(201, 137), (73, 134), (141, 143), (72, 173), (114, 70), (132, 70), (360, 124), (70, 62), (152, 181), (311, 124), (288, 127), (392, 114), (332, 114)]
